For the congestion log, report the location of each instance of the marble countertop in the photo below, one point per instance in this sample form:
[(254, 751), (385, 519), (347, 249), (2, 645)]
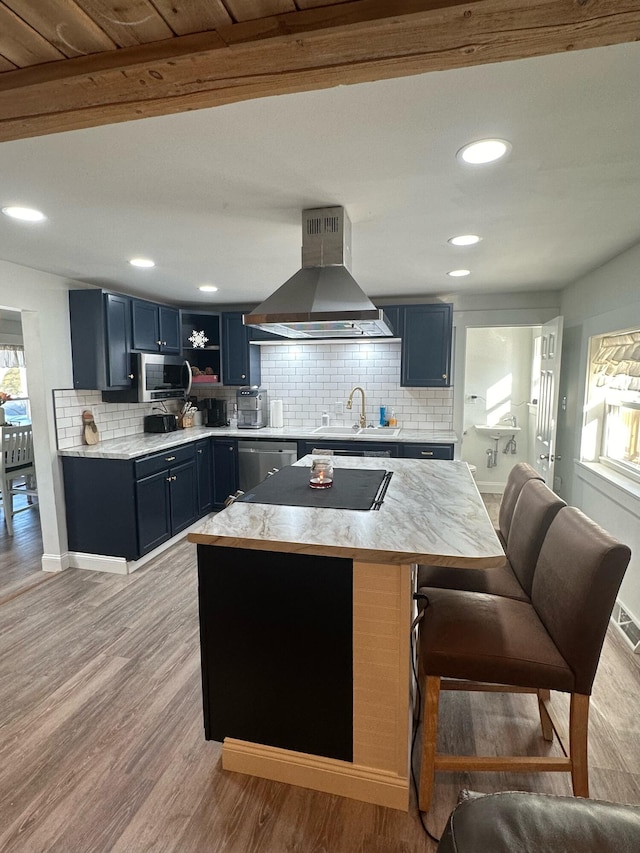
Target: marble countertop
[(140, 444), (432, 513)]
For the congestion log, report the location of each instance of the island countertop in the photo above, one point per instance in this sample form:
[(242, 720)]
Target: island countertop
[(432, 513)]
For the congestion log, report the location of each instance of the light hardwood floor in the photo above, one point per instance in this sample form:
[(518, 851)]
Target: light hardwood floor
[(102, 746)]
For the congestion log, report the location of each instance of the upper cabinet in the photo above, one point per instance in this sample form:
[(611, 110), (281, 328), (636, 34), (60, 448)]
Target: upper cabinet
[(426, 332), (100, 340), (240, 361), (200, 338), (155, 328)]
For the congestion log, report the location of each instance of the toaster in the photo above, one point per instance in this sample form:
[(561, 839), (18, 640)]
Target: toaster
[(160, 423)]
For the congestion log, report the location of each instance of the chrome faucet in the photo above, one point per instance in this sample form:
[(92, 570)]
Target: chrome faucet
[(510, 419), (363, 416)]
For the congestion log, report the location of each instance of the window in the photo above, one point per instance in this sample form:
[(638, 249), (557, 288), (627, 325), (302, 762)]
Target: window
[(13, 381), (612, 424)]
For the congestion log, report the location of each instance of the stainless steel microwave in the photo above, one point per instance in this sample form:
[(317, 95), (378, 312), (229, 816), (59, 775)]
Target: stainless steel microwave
[(161, 377)]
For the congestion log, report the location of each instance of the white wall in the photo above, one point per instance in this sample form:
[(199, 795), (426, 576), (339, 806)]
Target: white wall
[(606, 300), (43, 300)]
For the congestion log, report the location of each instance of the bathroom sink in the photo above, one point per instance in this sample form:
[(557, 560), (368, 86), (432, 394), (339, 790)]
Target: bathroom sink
[(497, 430), (345, 431)]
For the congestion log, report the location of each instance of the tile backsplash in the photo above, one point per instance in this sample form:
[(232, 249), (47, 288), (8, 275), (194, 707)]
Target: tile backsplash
[(114, 420), (309, 378), (313, 378)]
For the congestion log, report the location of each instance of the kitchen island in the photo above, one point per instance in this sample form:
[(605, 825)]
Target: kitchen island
[(305, 616)]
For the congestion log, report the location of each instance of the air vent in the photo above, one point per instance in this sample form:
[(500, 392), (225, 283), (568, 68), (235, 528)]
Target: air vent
[(627, 626)]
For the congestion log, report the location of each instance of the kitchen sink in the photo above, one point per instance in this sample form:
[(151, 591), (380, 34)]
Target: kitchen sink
[(344, 431)]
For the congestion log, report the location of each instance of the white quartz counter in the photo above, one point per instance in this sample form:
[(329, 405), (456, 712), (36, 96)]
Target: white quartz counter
[(140, 444), (432, 513)]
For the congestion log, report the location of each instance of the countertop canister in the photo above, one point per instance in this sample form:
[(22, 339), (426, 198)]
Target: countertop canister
[(276, 414)]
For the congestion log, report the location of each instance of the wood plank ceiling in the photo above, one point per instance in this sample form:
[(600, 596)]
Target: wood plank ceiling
[(67, 64)]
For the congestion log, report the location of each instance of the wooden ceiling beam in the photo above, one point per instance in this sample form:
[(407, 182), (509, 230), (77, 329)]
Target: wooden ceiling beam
[(317, 48)]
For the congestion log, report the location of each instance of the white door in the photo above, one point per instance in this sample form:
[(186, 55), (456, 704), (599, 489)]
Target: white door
[(547, 417)]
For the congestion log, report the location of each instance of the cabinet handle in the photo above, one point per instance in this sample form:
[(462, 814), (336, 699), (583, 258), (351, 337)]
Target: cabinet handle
[(159, 343), (131, 376), (175, 477), (243, 376), (168, 479), (164, 343), (444, 375), (426, 453), (199, 451), (169, 458)]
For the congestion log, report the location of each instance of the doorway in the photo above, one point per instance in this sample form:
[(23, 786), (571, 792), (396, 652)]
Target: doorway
[(502, 367), (20, 554)]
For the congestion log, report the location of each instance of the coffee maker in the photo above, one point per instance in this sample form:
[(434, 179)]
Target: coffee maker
[(214, 411), (252, 407)]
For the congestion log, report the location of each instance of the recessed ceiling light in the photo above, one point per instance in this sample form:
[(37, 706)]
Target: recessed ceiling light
[(458, 273), (142, 262), (208, 288), (484, 151), (464, 240), (26, 214)]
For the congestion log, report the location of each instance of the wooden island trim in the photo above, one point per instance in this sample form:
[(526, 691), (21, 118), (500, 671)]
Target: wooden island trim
[(367, 554)]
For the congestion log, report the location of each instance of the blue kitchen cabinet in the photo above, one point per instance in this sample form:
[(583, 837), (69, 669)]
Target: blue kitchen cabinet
[(126, 508), (100, 340), (240, 360), (426, 332), (155, 328), (204, 474), (426, 346), (225, 470), (153, 513)]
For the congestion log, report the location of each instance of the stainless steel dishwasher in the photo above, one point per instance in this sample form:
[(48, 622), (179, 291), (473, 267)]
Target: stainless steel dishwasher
[(257, 458)]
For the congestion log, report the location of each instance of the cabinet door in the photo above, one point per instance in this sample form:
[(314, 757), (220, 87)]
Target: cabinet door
[(169, 324), (240, 361), (146, 334), (426, 345), (225, 470), (153, 515), (118, 340), (204, 474), (183, 491)]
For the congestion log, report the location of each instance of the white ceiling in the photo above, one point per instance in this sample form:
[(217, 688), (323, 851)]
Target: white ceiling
[(215, 196)]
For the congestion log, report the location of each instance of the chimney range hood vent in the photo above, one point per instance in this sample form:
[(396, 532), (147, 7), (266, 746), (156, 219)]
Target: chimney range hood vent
[(322, 300)]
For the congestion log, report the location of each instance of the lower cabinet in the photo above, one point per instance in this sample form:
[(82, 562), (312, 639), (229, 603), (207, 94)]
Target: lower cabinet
[(166, 495), (225, 470), (204, 475), (126, 508)]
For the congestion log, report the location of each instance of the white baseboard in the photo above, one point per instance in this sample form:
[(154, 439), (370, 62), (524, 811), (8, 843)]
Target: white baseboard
[(54, 562), (120, 565), (489, 487)]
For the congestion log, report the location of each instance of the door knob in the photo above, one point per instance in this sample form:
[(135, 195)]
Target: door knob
[(556, 458), (544, 456)]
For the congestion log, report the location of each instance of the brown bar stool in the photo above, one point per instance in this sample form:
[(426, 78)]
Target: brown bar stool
[(535, 509), (553, 642)]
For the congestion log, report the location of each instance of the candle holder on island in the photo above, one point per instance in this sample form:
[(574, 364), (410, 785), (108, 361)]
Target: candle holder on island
[(321, 474)]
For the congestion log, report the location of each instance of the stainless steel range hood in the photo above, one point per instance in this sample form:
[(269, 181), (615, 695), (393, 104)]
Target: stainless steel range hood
[(322, 300)]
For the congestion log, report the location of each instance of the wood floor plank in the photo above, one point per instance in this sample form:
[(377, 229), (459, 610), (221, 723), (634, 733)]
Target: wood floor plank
[(102, 746)]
